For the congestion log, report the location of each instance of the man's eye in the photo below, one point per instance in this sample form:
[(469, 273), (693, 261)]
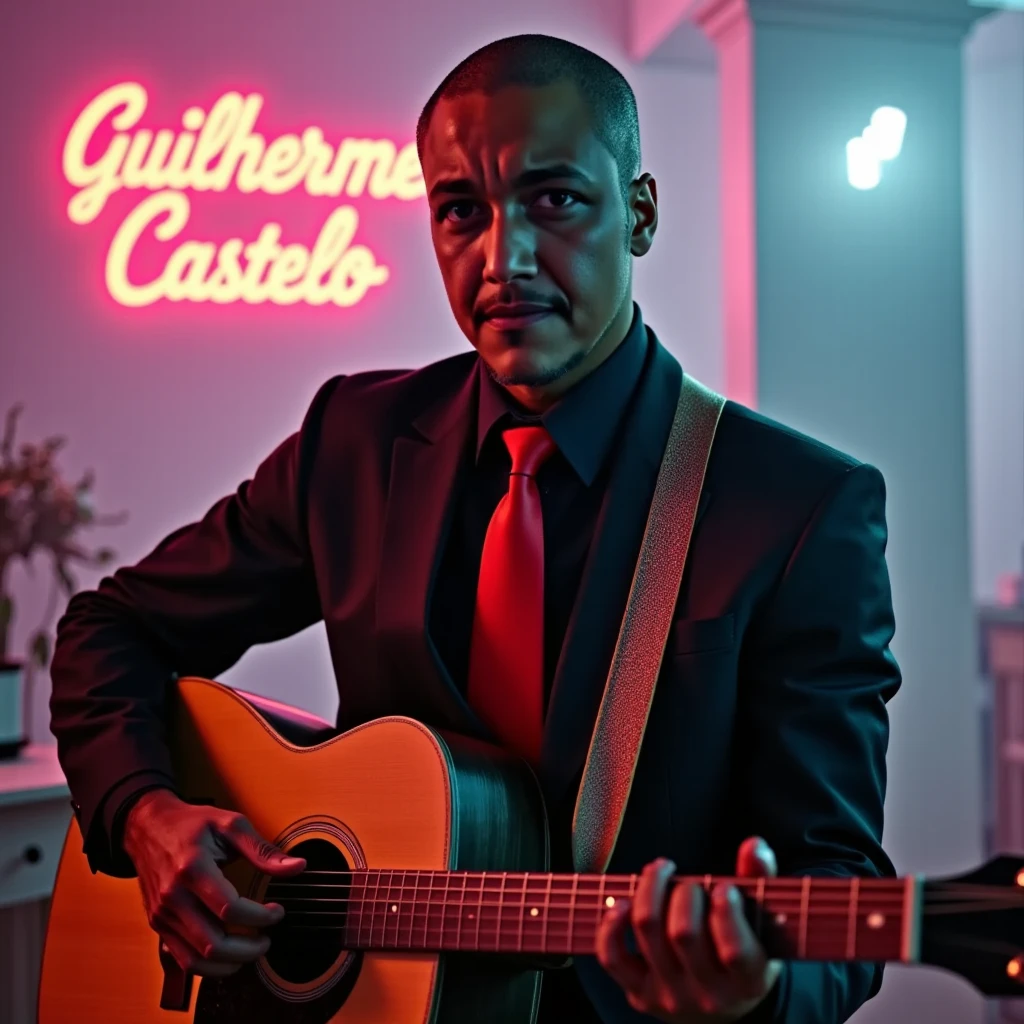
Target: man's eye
[(558, 199), (459, 210), (456, 211)]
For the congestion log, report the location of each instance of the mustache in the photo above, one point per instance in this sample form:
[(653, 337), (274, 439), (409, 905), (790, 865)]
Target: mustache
[(556, 303)]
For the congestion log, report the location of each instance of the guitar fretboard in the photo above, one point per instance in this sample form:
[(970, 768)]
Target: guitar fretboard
[(559, 914)]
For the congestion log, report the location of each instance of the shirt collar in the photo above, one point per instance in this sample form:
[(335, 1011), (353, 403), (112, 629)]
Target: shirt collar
[(583, 423)]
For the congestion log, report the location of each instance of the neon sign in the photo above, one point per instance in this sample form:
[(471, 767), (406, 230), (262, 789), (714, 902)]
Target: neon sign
[(215, 152)]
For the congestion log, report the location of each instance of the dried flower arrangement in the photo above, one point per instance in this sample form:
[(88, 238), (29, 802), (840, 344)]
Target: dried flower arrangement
[(42, 512)]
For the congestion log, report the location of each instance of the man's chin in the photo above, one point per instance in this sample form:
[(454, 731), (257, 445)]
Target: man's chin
[(524, 372)]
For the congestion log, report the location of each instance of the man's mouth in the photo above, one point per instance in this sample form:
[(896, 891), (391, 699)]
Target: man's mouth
[(515, 317)]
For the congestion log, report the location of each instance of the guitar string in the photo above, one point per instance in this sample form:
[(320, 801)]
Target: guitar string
[(831, 926), (817, 896), (552, 934), (953, 898), (880, 886), (841, 908), (949, 902), (1009, 897), (605, 879), (610, 888)]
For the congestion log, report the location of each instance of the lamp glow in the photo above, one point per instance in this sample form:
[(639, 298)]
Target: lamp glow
[(863, 169), (881, 141), (885, 133)]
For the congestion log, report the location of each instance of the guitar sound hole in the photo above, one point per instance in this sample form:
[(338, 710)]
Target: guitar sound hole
[(305, 945)]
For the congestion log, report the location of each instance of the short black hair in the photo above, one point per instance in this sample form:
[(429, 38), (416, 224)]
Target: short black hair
[(537, 60)]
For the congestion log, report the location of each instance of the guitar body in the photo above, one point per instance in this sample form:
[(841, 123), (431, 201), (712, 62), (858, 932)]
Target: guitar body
[(391, 794)]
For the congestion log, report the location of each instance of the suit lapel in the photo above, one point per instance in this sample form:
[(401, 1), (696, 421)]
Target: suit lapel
[(594, 624), (426, 469)]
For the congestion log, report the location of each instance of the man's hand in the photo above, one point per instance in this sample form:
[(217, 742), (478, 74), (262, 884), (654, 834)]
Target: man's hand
[(177, 849), (692, 966)]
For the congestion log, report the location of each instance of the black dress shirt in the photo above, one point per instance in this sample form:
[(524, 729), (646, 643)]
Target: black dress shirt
[(572, 482)]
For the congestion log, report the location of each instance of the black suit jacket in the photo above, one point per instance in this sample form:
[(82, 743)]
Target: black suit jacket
[(769, 717)]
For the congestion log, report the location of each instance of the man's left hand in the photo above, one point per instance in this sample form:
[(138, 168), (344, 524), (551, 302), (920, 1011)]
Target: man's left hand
[(695, 963)]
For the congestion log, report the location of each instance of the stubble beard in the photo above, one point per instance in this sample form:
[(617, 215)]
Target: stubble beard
[(541, 379)]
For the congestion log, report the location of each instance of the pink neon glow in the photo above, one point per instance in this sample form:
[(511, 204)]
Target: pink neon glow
[(339, 174), (729, 26), (651, 21)]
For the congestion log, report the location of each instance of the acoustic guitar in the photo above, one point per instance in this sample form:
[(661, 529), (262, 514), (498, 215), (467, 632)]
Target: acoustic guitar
[(426, 896)]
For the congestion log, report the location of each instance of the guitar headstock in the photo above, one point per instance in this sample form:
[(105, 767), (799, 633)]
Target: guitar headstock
[(973, 925)]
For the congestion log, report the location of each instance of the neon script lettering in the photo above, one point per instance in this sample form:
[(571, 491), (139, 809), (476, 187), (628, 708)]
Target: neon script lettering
[(216, 151)]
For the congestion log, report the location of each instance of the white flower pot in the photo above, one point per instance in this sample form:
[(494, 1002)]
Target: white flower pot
[(12, 708)]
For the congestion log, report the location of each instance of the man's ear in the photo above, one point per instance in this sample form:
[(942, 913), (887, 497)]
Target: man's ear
[(643, 209)]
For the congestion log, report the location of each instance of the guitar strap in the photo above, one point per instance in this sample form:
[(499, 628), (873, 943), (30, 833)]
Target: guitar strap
[(643, 635)]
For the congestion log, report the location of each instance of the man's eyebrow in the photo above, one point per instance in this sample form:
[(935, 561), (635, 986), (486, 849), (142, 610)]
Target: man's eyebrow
[(534, 176)]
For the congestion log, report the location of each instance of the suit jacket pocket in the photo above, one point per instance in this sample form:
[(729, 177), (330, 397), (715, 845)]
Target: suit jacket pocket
[(698, 636)]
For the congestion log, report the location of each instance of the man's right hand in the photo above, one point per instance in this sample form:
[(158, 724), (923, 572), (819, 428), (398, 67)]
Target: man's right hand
[(177, 849)]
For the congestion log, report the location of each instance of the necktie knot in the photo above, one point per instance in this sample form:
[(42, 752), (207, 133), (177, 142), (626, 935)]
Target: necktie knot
[(530, 448)]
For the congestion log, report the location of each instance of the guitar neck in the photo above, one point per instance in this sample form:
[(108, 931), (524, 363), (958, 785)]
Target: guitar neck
[(559, 914)]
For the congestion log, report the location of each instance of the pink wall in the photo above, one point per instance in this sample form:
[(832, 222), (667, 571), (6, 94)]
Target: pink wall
[(173, 404)]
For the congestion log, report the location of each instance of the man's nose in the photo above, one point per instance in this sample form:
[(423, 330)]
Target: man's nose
[(510, 245)]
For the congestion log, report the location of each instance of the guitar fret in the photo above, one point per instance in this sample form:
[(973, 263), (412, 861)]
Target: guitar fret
[(395, 909), (444, 910), (354, 914), (805, 901), (428, 910), (370, 903), (851, 930), (547, 917), (759, 912), (390, 910), (412, 922), (462, 912), (572, 914), (373, 907), (478, 913), (522, 915), (501, 911), (535, 938)]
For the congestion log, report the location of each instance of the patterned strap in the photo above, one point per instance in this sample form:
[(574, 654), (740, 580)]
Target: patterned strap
[(640, 648)]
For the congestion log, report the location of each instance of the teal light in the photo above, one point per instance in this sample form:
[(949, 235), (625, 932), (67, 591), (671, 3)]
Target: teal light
[(880, 141)]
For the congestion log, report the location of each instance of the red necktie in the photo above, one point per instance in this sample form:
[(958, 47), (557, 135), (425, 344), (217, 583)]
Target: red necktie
[(506, 658)]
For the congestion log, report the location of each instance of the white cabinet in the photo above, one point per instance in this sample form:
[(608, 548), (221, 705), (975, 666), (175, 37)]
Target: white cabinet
[(34, 818)]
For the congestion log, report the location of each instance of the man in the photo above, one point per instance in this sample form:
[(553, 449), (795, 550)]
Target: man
[(468, 534)]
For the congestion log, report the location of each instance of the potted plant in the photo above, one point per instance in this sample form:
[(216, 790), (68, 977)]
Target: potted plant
[(39, 512)]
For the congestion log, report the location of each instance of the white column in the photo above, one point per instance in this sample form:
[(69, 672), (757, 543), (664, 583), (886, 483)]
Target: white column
[(994, 235), (845, 318)]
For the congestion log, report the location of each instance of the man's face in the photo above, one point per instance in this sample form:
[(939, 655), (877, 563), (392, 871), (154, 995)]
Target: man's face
[(530, 229)]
